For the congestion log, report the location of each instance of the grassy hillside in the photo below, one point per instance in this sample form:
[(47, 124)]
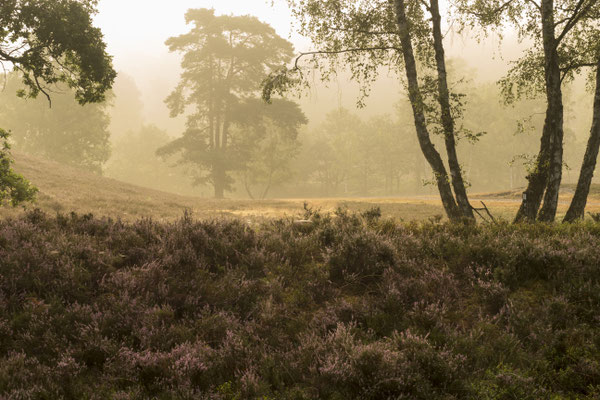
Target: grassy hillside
[(350, 307), (65, 189)]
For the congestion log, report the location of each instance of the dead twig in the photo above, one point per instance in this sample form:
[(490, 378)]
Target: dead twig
[(484, 208)]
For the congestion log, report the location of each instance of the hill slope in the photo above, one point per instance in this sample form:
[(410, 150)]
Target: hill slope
[(65, 189)]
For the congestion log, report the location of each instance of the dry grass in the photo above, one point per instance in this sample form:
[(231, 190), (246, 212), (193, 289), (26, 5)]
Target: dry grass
[(65, 189)]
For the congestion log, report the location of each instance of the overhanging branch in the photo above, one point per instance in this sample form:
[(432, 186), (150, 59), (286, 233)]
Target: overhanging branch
[(578, 13)]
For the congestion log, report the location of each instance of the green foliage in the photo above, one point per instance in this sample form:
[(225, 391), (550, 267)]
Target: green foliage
[(359, 36), (14, 189), (53, 42), (576, 36)]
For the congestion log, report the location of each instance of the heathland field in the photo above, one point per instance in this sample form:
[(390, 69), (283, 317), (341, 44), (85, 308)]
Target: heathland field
[(348, 307), (352, 305)]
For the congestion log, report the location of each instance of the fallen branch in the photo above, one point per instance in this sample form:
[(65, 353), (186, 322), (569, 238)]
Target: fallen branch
[(484, 208)]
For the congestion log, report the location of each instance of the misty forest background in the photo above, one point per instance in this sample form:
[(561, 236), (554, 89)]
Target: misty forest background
[(340, 151)]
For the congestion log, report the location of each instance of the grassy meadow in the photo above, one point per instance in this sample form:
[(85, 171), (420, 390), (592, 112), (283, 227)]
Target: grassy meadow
[(64, 189)]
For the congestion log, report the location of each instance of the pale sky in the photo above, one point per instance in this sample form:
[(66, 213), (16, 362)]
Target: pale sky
[(135, 31)]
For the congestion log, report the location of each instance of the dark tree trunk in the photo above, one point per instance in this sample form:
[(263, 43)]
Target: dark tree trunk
[(554, 93), (577, 208), (416, 101), (532, 197), (548, 168), (219, 172), (447, 121)]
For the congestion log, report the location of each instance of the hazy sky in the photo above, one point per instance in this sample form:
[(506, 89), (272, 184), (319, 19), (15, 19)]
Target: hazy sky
[(135, 31)]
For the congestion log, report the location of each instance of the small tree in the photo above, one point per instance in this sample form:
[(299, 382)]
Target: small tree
[(266, 136)]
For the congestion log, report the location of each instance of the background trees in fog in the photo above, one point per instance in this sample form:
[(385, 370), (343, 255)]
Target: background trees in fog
[(68, 132), (224, 60)]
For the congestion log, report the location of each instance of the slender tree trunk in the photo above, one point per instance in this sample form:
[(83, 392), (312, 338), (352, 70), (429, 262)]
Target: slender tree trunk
[(268, 187), (414, 93), (554, 91), (447, 121), (547, 173), (218, 161), (247, 185), (577, 208)]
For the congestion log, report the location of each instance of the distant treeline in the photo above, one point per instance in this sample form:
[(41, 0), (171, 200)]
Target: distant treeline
[(343, 156)]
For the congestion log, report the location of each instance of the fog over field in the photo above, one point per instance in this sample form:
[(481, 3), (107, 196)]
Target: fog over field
[(356, 136), (144, 62)]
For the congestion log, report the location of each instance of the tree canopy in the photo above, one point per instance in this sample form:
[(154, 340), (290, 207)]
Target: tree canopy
[(68, 132), (54, 41)]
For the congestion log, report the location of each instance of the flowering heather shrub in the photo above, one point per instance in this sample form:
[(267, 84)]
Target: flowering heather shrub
[(349, 307)]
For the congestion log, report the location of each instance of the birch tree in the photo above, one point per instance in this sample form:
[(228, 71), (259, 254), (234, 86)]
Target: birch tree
[(368, 35)]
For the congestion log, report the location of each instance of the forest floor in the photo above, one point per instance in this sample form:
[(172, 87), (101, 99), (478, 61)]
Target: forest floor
[(64, 189)]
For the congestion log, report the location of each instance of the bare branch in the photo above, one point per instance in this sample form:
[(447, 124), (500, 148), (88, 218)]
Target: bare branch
[(353, 50), (366, 32), (484, 208), (427, 6), (42, 89), (496, 10), (536, 5), (565, 70)]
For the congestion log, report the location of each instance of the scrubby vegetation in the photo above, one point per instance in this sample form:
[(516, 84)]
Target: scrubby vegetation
[(351, 306)]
